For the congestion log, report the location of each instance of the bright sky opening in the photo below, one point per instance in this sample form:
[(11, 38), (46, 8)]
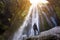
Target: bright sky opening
[(38, 1)]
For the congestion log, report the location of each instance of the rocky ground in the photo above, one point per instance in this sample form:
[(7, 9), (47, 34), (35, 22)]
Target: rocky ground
[(52, 34)]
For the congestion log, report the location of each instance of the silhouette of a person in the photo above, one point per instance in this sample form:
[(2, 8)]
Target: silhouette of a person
[(35, 28)]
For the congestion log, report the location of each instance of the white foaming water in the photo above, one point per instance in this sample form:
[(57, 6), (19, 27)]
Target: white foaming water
[(18, 35), (35, 20)]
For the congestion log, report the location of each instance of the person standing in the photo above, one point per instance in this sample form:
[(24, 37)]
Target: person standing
[(35, 29)]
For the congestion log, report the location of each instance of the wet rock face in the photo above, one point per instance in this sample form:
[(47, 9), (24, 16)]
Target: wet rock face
[(52, 34), (46, 38)]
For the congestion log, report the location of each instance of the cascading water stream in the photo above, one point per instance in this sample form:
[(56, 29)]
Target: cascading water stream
[(18, 34), (35, 19), (52, 17), (27, 28)]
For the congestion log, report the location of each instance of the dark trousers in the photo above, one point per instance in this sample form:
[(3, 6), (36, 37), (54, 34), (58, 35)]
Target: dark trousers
[(35, 32)]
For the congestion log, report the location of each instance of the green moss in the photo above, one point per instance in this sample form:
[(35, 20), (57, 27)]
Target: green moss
[(57, 9), (46, 24)]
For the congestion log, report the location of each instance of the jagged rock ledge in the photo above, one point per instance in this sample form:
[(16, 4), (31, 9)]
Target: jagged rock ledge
[(52, 34)]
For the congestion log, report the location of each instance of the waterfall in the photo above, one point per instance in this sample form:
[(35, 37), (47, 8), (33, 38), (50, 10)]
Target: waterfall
[(35, 20), (30, 26)]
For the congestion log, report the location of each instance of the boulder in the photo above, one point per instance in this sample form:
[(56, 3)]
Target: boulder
[(51, 34)]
